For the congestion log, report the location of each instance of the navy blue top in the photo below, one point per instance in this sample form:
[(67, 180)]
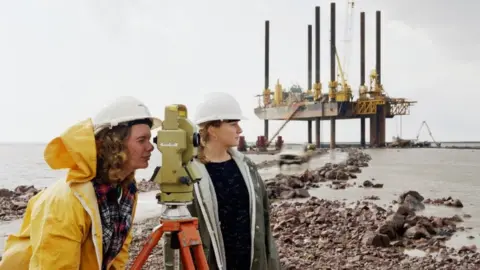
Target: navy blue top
[(234, 212)]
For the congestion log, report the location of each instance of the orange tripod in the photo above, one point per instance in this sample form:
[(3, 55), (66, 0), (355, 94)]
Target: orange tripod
[(185, 236)]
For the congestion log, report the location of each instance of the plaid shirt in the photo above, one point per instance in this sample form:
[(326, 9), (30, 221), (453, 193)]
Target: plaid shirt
[(116, 217)]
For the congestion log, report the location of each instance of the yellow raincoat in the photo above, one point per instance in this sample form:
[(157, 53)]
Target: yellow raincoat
[(61, 227)]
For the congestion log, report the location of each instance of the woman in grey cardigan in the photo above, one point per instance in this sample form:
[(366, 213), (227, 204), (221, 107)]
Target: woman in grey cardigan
[(230, 202)]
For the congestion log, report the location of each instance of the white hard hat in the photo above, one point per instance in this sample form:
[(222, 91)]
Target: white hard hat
[(218, 106), (122, 110)]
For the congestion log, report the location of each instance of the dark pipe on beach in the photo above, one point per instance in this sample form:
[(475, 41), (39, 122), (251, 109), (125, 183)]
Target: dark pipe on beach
[(332, 69), (317, 44), (378, 47), (317, 68), (309, 57), (332, 42), (362, 72), (267, 66), (362, 48)]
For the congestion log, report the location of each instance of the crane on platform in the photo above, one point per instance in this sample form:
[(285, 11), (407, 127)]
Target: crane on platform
[(424, 123), (296, 108), (345, 91), (345, 94)]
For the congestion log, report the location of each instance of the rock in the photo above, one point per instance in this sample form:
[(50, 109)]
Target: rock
[(376, 239), (417, 232), (331, 175), (468, 249), (285, 195), (6, 193), (449, 201), (14, 202), (413, 194), (339, 186), (412, 202), (389, 230), (367, 183), (302, 193), (341, 175), (377, 185), (396, 221), (353, 169)]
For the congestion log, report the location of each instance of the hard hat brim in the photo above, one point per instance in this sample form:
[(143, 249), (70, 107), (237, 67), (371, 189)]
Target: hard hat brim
[(156, 123), (230, 117)]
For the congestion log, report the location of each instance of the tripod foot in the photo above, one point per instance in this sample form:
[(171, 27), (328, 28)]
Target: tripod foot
[(188, 237)]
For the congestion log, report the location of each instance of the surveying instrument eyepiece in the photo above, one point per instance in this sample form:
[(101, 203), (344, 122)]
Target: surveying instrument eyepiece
[(177, 141)]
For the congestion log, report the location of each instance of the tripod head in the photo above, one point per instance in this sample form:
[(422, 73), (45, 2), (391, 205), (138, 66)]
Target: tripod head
[(177, 141)]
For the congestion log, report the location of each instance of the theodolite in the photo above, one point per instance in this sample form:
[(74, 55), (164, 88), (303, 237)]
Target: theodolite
[(177, 141)]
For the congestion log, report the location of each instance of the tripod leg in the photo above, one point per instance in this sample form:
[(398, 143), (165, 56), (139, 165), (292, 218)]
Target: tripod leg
[(200, 257), (152, 241), (187, 260), (189, 237)]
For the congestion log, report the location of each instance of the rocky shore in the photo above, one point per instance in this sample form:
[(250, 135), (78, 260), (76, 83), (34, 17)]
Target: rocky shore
[(323, 234), (285, 187)]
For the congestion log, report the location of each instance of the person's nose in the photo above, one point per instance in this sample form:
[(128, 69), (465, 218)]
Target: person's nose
[(150, 147)]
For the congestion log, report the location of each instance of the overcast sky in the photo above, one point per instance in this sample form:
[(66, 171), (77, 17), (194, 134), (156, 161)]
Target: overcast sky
[(61, 61)]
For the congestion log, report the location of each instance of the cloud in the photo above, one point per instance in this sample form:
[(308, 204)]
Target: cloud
[(452, 25)]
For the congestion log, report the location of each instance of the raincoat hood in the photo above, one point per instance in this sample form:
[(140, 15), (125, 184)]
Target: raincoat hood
[(75, 149)]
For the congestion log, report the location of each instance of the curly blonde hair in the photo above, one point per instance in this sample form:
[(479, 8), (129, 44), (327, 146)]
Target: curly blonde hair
[(205, 137), (112, 154)]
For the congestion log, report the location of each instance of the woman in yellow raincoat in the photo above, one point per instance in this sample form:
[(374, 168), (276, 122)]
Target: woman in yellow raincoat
[(85, 220)]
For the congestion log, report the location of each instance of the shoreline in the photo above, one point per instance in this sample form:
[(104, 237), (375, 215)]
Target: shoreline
[(13, 202), (313, 233)]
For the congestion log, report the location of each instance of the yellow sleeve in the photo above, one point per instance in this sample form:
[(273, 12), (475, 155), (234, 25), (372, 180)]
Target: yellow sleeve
[(56, 236), (120, 261)]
